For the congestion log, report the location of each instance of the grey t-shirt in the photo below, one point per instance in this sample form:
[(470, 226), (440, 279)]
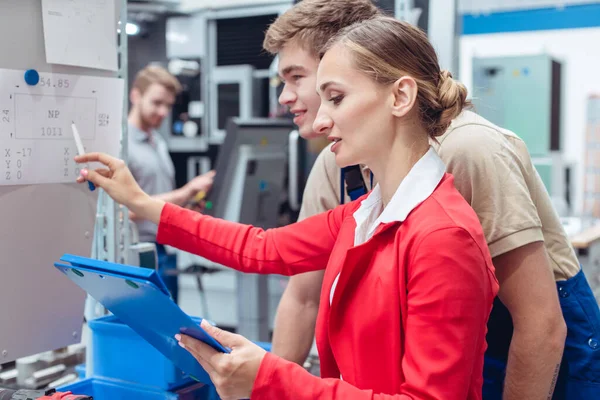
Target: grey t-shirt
[(152, 168)]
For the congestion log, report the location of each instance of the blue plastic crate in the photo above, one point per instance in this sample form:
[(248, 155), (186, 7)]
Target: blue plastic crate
[(120, 353), (80, 370), (113, 389), (108, 389)]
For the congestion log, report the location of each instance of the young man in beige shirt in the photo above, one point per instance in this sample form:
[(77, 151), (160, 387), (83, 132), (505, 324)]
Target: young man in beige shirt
[(494, 172)]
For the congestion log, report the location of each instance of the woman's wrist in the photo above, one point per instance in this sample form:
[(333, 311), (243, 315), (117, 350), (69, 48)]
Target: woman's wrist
[(146, 207)]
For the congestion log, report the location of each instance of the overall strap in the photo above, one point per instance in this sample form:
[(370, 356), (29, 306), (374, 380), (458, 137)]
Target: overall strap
[(354, 182)]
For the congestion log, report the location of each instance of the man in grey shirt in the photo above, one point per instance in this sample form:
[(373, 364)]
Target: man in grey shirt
[(152, 96)]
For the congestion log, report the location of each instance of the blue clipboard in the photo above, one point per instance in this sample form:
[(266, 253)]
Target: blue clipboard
[(140, 299)]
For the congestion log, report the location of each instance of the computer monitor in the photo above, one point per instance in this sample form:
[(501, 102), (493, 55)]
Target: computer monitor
[(251, 169)]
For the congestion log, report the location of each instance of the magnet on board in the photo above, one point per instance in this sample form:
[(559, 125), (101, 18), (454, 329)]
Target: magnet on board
[(32, 77)]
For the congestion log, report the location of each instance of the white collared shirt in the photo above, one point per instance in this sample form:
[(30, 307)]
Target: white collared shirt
[(418, 185)]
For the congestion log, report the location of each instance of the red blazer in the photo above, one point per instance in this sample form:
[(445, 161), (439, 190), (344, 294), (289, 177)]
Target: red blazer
[(409, 314)]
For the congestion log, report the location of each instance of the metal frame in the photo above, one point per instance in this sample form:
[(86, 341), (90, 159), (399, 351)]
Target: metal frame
[(293, 166), (444, 32), (261, 73), (122, 214), (112, 221), (274, 84), (111, 231), (443, 35), (236, 74), (209, 65), (203, 162), (250, 10), (402, 9)]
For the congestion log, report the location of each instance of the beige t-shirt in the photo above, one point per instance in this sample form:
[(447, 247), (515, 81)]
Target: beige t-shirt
[(494, 173)]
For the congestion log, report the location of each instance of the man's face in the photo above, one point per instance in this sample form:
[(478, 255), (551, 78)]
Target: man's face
[(154, 105), (298, 71)]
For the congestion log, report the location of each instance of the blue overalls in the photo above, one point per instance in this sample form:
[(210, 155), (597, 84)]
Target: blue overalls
[(579, 375)]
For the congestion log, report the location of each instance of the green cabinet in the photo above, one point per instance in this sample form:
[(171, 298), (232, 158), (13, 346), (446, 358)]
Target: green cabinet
[(521, 94)]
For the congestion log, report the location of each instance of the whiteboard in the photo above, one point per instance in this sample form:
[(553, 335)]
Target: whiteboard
[(36, 137), (40, 310)]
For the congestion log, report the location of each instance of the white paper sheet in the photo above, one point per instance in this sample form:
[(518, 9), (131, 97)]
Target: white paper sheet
[(36, 141), (81, 33)]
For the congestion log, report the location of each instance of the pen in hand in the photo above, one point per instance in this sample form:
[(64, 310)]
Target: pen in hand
[(80, 149)]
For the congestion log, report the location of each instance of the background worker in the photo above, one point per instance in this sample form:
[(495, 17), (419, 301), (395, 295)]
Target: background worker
[(152, 97)]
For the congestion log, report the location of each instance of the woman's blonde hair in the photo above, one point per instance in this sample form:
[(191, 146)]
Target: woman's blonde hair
[(387, 49)]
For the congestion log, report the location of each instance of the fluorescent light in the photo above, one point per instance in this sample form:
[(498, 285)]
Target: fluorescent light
[(132, 29)]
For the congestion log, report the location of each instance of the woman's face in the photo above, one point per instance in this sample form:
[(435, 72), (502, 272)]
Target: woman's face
[(355, 111)]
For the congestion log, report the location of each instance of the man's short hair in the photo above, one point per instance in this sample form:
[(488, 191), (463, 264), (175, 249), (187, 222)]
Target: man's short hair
[(156, 74), (311, 23)]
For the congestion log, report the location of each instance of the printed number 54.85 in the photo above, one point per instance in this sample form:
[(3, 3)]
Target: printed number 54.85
[(59, 83)]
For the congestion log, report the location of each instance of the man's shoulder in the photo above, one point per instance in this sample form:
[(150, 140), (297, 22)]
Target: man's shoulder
[(135, 137), (470, 123), (471, 135), (135, 134)]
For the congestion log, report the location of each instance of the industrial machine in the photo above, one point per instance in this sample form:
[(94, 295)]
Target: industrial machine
[(250, 186), (523, 94)]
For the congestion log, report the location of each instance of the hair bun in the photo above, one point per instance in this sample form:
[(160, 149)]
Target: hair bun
[(452, 98)]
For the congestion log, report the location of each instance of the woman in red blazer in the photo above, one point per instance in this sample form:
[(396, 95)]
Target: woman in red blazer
[(409, 281)]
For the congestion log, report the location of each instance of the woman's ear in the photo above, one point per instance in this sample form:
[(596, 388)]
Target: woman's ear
[(405, 96)]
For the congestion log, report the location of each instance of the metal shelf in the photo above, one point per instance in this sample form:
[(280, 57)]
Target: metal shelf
[(182, 144)]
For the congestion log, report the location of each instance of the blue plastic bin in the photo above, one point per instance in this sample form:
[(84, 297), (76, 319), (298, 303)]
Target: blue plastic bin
[(107, 389), (80, 370), (113, 389), (120, 353)]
